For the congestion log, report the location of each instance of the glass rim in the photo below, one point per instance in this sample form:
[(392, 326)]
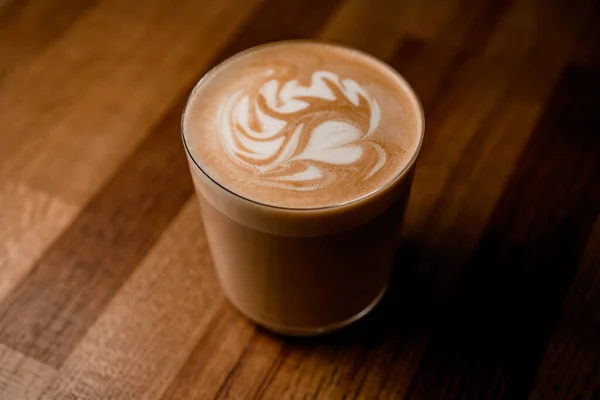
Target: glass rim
[(409, 89)]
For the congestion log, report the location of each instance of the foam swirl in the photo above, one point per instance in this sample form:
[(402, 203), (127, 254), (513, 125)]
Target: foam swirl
[(302, 137)]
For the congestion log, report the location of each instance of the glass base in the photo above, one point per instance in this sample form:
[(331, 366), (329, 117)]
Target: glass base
[(318, 330)]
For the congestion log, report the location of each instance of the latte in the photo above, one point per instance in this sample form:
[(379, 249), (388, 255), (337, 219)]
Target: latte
[(302, 155)]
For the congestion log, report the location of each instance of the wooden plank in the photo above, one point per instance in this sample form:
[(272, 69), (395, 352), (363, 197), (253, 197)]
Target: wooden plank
[(149, 329), (468, 199), (546, 28), (450, 230), (264, 352), (493, 338), (211, 364), (587, 52), (357, 364), (472, 178), (30, 220), (570, 366), (469, 99), (428, 67), (22, 378), (48, 314), (428, 18), (372, 26), (28, 27), (98, 90), (472, 25)]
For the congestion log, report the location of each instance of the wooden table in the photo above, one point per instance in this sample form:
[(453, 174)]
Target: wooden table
[(107, 288)]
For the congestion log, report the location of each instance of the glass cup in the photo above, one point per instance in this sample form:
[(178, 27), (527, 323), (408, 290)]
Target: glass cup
[(303, 271)]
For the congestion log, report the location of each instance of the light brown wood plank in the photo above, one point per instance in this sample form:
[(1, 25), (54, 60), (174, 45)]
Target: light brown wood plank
[(22, 378), (98, 90), (29, 221), (147, 332)]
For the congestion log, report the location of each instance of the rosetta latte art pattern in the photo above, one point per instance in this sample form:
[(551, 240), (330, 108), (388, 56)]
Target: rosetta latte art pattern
[(302, 137)]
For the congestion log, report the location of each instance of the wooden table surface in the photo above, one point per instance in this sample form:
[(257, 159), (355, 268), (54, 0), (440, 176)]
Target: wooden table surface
[(107, 288)]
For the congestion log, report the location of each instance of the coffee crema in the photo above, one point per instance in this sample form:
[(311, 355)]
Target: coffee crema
[(302, 125)]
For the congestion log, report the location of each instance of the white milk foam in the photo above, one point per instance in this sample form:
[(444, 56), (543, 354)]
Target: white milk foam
[(314, 119), (336, 142)]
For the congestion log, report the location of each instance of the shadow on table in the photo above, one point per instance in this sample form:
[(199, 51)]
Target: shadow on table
[(483, 317), (411, 304)]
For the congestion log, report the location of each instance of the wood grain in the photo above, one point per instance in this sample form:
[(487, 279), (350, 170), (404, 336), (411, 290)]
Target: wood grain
[(27, 29), (107, 287), (68, 96), (177, 275), (22, 377), (33, 223), (571, 360)]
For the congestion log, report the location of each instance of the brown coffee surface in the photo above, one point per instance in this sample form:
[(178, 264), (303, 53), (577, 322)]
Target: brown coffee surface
[(303, 125)]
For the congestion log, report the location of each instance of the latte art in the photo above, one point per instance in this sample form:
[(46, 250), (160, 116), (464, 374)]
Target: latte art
[(302, 125), (302, 137)]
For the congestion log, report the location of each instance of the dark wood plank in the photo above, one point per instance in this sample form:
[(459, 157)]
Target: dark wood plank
[(587, 52), (375, 26), (28, 27), (495, 334), (48, 314), (467, 200), (571, 365), (216, 358), (247, 379), (472, 26)]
